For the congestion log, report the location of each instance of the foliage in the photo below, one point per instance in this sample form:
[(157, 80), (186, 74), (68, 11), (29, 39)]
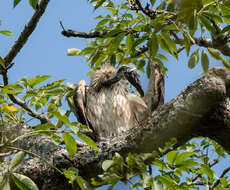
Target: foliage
[(137, 36), (187, 167), (131, 33)]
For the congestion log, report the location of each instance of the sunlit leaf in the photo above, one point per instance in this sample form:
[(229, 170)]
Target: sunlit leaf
[(6, 33), (208, 24), (36, 80), (204, 61), (87, 140), (182, 157), (171, 44), (23, 182), (107, 164), (70, 142), (73, 52), (193, 60), (17, 159), (2, 62), (9, 108), (153, 45), (5, 183), (171, 156), (116, 42)]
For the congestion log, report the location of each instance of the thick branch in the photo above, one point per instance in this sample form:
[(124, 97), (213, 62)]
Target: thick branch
[(27, 31), (72, 33), (182, 118)]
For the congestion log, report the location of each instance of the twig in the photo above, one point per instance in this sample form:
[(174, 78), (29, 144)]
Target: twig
[(4, 154), (27, 31)]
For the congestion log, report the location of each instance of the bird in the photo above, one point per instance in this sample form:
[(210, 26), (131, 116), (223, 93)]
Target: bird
[(107, 106)]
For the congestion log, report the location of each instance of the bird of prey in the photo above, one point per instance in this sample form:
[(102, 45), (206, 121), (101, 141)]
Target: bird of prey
[(107, 106)]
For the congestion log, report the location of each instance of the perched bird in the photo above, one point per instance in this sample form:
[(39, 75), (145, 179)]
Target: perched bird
[(107, 106)]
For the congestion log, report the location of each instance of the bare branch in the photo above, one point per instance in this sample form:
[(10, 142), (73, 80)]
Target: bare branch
[(72, 33)]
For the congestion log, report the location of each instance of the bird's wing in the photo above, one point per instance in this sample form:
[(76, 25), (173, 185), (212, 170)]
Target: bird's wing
[(80, 103), (79, 99)]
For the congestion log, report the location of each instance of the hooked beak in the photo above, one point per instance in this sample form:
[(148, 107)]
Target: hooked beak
[(132, 69), (134, 78)]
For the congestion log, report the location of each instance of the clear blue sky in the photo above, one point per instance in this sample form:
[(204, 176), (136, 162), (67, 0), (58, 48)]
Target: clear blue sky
[(45, 51)]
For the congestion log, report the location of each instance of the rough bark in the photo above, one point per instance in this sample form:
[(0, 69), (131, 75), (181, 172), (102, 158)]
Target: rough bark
[(202, 109)]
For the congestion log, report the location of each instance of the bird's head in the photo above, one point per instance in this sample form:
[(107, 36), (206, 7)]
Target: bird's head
[(124, 69)]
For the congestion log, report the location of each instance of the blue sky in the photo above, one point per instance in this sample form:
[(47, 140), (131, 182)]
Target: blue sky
[(45, 51)]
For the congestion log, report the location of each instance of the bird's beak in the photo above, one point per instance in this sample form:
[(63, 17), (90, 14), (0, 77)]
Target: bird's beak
[(132, 69)]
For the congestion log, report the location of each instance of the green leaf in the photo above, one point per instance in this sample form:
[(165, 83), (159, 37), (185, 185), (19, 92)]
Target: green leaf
[(116, 42), (71, 145), (208, 24), (213, 16), (23, 182), (171, 44), (193, 60), (2, 62), (6, 33), (36, 80), (83, 184), (71, 173), (33, 3), (215, 53), (24, 81), (107, 164), (153, 45), (129, 43), (73, 52), (207, 170), (182, 157), (5, 183), (189, 163), (157, 185), (16, 2), (113, 33), (171, 156), (152, 2), (17, 159), (147, 181), (224, 181), (204, 61), (225, 12), (87, 140)]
